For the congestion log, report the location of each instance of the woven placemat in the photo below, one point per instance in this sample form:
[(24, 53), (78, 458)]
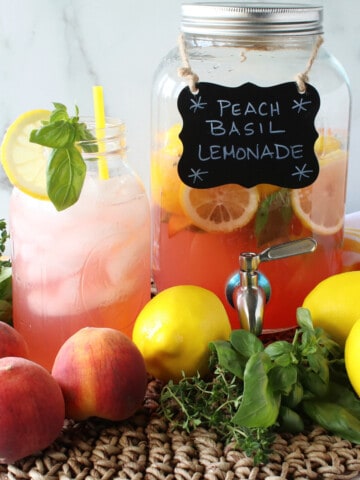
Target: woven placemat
[(146, 448)]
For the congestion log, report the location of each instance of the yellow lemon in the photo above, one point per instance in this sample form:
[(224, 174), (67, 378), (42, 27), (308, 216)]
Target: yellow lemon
[(25, 162), (326, 144), (352, 356), (334, 304), (174, 329), (165, 180)]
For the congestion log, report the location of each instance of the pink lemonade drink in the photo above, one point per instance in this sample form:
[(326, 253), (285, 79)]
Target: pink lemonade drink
[(87, 265), (250, 136), (185, 251)]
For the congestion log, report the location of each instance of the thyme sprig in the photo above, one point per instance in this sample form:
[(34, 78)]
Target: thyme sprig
[(258, 390), (211, 404)]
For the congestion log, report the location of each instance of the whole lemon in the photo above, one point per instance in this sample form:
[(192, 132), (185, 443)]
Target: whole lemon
[(174, 329), (334, 304), (352, 356)]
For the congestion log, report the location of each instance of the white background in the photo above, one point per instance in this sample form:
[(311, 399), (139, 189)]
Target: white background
[(56, 50)]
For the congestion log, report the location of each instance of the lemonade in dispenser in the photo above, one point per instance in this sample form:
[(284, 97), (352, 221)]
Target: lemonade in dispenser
[(250, 131)]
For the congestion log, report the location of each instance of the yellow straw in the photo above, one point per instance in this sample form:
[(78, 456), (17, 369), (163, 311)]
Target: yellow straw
[(99, 110)]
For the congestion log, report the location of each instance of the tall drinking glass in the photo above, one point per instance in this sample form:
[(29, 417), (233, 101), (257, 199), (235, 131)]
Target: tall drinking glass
[(88, 265)]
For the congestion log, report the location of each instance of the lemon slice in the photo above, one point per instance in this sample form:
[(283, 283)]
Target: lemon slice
[(326, 144), (25, 162), (165, 180), (320, 206), (220, 209)]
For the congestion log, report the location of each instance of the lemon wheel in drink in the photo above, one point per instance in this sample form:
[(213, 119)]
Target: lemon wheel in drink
[(320, 206), (220, 209)]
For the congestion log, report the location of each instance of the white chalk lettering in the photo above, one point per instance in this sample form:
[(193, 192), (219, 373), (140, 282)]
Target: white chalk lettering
[(263, 109), (234, 129), (216, 128), (223, 104), (219, 128), (257, 152), (250, 109)]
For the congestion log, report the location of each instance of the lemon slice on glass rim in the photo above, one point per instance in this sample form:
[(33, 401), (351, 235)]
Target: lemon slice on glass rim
[(25, 162)]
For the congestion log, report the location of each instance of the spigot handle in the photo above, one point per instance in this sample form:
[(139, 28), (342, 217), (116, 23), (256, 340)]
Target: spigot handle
[(244, 291), (288, 249)]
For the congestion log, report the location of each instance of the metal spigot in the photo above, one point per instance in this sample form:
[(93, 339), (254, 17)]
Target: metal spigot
[(248, 290)]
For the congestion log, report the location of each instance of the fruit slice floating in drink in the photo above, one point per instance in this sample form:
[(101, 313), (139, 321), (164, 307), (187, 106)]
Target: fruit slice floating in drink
[(309, 203), (200, 240), (220, 209)]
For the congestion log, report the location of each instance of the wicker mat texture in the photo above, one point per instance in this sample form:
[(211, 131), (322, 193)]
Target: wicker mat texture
[(146, 448)]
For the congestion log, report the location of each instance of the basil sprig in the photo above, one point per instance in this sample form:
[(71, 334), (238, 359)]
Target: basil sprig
[(66, 168), (273, 216), (258, 389)]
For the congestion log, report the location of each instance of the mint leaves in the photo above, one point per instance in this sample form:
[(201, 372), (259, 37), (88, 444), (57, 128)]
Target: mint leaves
[(66, 169)]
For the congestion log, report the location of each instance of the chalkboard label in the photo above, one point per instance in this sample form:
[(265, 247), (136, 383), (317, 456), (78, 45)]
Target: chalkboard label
[(248, 135)]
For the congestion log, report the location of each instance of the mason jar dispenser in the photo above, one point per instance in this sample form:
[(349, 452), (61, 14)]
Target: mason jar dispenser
[(250, 132)]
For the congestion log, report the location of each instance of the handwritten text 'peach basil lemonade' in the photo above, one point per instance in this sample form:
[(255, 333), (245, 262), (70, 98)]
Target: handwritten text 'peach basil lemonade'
[(83, 258), (200, 232), (249, 144)]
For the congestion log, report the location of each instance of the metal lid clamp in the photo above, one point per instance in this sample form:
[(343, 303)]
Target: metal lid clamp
[(248, 290)]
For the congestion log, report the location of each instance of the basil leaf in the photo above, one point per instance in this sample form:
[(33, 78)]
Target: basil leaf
[(295, 396), (83, 135), (327, 344), (262, 216), (54, 135), (344, 396), (290, 421), (273, 216), (319, 365), (335, 418), (65, 177), (260, 404), (313, 383), (228, 358), (6, 283), (282, 379), (59, 114), (281, 352), (245, 342), (5, 311), (304, 320)]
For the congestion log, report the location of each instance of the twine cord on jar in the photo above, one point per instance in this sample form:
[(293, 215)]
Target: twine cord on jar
[(185, 71), (303, 77)]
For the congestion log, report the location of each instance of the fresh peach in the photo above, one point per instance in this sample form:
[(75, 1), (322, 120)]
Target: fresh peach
[(32, 409), (101, 373), (12, 344)]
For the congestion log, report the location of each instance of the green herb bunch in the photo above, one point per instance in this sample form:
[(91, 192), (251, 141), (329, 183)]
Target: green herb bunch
[(66, 168), (5, 278), (274, 213), (257, 390), (195, 402)]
